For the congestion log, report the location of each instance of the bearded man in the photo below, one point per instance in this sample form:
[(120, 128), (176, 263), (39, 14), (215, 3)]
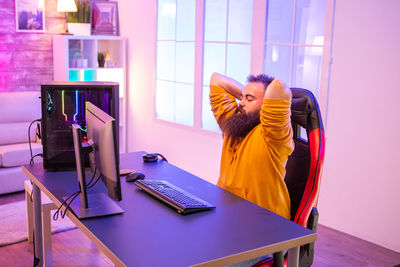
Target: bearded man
[(257, 136)]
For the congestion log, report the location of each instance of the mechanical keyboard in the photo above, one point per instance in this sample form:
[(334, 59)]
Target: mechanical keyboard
[(174, 196)]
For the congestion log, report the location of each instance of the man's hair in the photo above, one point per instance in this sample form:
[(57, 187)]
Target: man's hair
[(262, 78)]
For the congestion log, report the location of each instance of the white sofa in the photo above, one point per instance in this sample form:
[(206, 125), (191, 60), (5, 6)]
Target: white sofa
[(17, 111)]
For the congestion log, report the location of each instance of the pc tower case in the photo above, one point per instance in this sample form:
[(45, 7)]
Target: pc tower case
[(63, 104)]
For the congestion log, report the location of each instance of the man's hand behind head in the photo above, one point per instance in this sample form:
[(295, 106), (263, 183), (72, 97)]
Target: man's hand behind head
[(230, 85), (278, 90)]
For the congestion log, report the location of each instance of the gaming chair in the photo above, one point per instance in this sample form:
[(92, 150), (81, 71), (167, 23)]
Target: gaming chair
[(303, 170)]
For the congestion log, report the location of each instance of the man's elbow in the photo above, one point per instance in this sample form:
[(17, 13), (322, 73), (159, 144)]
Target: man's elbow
[(278, 90), (215, 77), (288, 94)]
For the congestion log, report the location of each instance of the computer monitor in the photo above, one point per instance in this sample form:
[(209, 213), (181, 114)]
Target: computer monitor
[(102, 132), (102, 147)]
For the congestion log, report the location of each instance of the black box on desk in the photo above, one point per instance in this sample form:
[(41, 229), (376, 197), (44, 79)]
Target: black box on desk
[(63, 104)]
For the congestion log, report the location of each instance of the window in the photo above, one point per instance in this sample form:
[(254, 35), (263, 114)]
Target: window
[(285, 39), (294, 42), (227, 46), (175, 61)]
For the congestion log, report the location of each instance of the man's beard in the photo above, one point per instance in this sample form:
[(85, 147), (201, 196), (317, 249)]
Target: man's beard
[(240, 124)]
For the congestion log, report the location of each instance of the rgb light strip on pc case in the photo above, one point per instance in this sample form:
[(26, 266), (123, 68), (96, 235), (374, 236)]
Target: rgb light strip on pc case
[(76, 105)]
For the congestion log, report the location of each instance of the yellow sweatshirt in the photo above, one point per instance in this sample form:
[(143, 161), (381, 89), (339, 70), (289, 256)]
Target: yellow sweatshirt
[(254, 168)]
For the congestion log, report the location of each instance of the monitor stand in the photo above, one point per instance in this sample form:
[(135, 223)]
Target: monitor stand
[(99, 204)]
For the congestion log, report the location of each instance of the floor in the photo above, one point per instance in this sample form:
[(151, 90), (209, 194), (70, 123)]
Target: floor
[(72, 248)]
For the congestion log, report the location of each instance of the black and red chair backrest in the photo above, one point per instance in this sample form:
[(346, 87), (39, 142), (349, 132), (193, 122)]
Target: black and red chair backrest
[(304, 166), (303, 170)]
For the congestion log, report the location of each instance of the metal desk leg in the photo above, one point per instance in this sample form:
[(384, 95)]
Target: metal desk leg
[(46, 222), (29, 210), (293, 257), (37, 216)]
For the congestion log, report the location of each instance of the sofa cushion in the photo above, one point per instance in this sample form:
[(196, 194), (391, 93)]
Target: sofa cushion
[(18, 154), (20, 106), (12, 180), (17, 132)]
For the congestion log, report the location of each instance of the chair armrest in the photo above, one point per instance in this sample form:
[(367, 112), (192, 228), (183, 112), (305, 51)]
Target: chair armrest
[(307, 251), (313, 220), (278, 259)]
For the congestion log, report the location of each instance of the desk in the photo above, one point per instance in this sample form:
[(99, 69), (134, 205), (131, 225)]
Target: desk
[(149, 233)]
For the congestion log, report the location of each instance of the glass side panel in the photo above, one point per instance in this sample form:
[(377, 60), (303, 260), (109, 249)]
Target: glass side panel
[(184, 103), (185, 62), (240, 18), (166, 60), (165, 100), (213, 60), (307, 68), (277, 62), (238, 62), (166, 19), (310, 22), (215, 20), (208, 121), (66, 106), (279, 21), (185, 20)]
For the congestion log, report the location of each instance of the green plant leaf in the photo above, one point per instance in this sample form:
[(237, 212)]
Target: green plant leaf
[(83, 13)]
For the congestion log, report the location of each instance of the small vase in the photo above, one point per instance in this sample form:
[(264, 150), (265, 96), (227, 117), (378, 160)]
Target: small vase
[(101, 63)]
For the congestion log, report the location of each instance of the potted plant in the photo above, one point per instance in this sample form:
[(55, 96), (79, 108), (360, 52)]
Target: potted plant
[(79, 22), (101, 57)]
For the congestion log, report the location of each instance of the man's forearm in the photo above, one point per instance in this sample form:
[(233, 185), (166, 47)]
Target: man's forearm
[(230, 85)]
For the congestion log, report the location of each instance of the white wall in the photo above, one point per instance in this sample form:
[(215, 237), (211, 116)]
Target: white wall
[(359, 185), (361, 180)]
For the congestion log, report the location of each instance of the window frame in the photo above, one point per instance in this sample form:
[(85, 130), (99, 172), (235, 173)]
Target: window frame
[(258, 43)]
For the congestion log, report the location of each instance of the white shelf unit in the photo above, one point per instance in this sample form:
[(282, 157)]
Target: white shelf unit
[(75, 59)]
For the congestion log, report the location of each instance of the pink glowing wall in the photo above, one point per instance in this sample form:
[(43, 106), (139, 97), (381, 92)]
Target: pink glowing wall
[(26, 59), (360, 187), (360, 183)]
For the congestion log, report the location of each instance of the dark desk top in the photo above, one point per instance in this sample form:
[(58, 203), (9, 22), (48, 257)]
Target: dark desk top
[(150, 233)]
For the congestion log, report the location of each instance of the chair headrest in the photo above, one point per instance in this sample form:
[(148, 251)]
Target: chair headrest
[(305, 109)]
